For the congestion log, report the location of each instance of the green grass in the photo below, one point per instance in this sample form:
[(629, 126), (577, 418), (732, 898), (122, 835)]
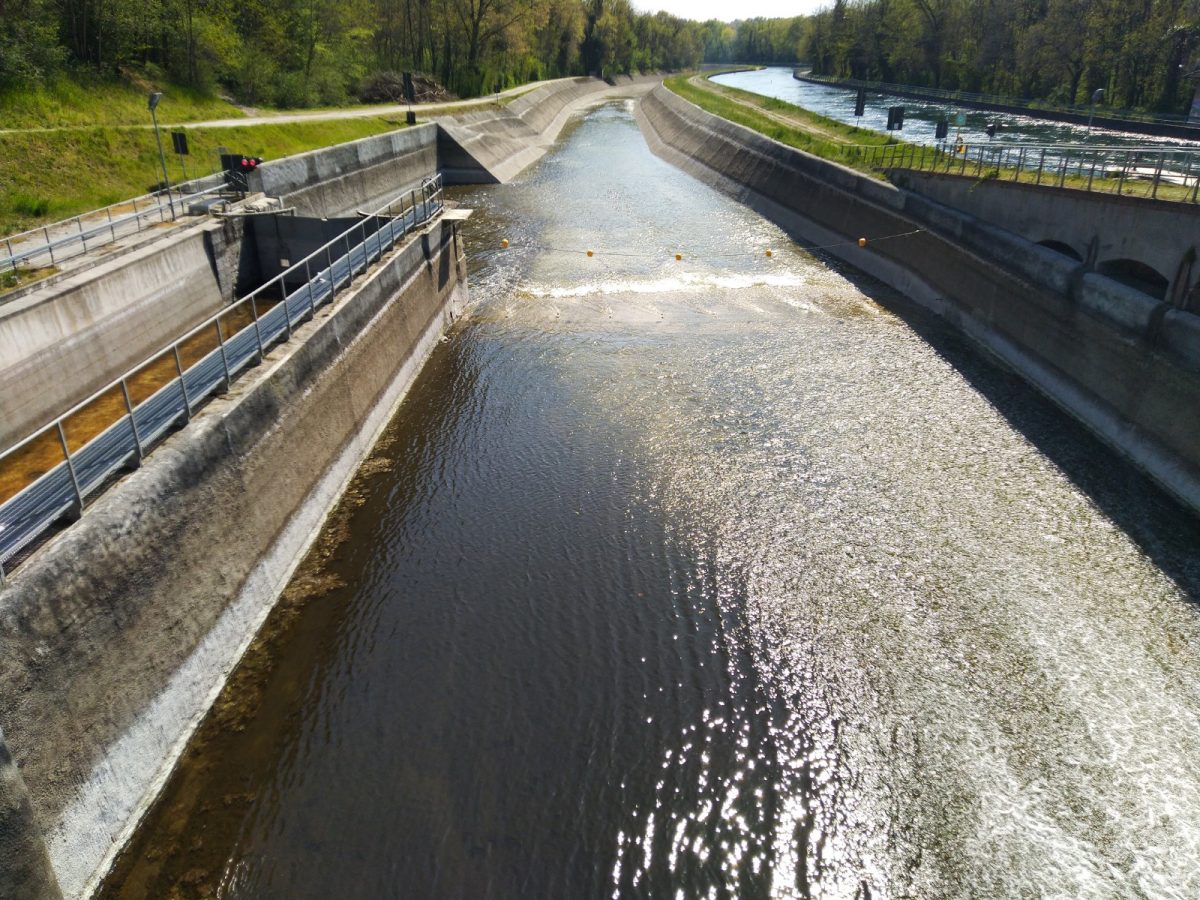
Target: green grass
[(67, 102), (804, 130), (872, 152), (50, 175)]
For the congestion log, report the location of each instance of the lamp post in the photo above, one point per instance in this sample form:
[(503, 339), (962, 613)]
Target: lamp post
[(155, 97)]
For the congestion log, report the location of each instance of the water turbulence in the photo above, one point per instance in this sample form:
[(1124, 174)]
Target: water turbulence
[(709, 577)]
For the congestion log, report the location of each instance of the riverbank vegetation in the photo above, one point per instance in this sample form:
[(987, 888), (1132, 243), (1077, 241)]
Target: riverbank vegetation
[(302, 53), (1055, 50), (784, 122)]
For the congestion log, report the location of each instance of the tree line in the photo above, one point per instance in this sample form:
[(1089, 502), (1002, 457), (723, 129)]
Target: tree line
[(306, 52), (1139, 51)]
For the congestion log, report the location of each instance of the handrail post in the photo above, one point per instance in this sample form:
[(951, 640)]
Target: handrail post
[(287, 314), (332, 280), (224, 356), (1020, 163), (82, 236), (1092, 173), (111, 228), (62, 440), (1157, 175), (1041, 165), (11, 258), (137, 438), (257, 329), (1121, 180), (49, 244), (187, 403), (308, 284)]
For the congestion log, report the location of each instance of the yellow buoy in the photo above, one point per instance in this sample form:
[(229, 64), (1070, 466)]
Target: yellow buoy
[(504, 244), (862, 242), (589, 253), (770, 253), (678, 257)]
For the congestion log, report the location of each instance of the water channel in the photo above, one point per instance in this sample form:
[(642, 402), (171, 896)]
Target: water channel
[(729, 576), (922, 116)]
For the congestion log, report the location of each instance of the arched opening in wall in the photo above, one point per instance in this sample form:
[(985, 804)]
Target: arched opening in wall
[(1064, 249), (1136, 275)]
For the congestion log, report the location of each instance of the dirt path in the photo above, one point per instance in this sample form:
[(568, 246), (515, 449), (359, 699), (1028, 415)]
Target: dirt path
[(351, 112)]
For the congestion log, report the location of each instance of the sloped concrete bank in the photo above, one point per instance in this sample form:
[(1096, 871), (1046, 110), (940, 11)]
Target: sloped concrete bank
[(495, 145), (116, 636), (1123, 363)]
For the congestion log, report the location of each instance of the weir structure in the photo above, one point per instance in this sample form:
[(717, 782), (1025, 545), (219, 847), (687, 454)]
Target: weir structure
[(187, 409), (117, 632)]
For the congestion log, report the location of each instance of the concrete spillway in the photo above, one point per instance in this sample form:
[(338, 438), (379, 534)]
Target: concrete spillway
[(728, 576), (116, 636)]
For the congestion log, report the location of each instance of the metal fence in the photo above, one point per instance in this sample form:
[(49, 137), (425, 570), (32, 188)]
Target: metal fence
[(62, 491), (1155, 172), (53, 243), (1033, 107)]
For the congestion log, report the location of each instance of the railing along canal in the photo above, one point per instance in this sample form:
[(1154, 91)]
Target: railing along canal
[(63, 490), (58, 241), (1156, 172)]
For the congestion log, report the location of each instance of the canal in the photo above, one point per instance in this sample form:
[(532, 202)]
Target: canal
[(921, 117), (726, 576)]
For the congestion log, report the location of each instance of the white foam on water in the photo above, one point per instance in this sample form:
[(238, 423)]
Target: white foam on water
[(685, 282)]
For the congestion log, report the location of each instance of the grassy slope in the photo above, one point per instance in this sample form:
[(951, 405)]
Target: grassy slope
[(96, 151), (66, 102), (51, 175), (784, 122)]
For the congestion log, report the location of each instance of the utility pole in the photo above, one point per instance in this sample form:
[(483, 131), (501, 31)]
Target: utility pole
[(155, 97)]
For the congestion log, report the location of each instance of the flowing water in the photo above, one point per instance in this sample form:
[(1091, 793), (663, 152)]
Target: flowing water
[(729, 576), (921, 116)]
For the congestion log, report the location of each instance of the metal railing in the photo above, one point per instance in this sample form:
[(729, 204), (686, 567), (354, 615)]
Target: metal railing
[(1154, 172), (63, 490), (58, 241), (1032, 106)]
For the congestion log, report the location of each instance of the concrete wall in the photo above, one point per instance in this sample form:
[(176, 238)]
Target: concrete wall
[(358, 176), (61, 344), (1098, 227), (495, 145), (1125, 365), (116, 636)]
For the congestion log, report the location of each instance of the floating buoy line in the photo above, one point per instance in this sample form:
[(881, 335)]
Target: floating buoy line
[(679, 256)]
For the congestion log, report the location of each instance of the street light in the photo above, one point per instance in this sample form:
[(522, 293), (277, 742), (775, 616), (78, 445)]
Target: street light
[(155, 97)]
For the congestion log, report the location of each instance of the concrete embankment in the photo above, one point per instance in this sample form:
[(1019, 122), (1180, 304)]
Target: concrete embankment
[(1123, 363), (493, 146), (1152, 242), (60, 343), (115, 637)]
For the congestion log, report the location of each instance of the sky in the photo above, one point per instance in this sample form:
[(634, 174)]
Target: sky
[(729, 10)]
